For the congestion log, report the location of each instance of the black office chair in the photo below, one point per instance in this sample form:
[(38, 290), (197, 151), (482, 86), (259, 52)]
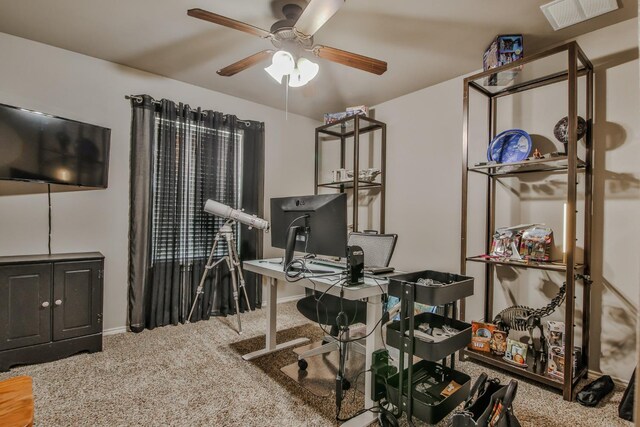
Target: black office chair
[(378, 250)]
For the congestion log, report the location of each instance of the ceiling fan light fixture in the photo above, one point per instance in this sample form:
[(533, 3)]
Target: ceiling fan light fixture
[(308, 69), (296, 79), (281, 65), (304, 72)]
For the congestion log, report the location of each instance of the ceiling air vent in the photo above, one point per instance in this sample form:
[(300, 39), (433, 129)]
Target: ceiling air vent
[(563, 13)]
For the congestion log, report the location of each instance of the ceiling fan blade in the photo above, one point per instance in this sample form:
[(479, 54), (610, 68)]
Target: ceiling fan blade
[(350, 59), (245, 63), (316, 14), (228, 22)]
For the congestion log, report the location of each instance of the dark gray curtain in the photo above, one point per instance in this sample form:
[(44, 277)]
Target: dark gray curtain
[(180, 158)]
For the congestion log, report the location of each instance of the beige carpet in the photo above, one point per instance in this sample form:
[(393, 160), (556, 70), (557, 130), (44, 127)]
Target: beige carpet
[(189, 375), (272, 364)]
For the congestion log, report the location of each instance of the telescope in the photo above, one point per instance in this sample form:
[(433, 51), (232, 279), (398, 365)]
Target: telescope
[(227, 212), (232, 259)]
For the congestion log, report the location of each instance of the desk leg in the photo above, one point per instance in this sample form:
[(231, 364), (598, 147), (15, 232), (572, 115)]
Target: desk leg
[(270, 335), (373, 343)]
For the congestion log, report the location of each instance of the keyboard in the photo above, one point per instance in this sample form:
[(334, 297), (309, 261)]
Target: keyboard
[(329, 263)]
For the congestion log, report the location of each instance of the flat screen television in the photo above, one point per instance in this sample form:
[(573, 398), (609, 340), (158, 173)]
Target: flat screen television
[(37, 147)]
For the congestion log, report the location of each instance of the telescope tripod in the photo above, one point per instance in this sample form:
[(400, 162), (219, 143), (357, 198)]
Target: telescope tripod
[(235, 270)]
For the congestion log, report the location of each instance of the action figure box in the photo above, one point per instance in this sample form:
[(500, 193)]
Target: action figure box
[(536, 243), (516, 353), (498, 343), (504, 49), (481, 334), (555, 362), (555, 336), (556, 351), (360, 110)]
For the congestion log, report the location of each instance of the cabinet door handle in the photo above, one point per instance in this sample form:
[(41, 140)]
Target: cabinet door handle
[(45, 304), (58, 302)]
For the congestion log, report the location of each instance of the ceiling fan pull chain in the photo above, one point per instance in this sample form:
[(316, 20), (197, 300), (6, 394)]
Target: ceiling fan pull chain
[(286, 97)]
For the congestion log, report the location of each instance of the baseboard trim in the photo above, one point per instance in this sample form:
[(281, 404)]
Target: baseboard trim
[(114, 331), (592, 375)]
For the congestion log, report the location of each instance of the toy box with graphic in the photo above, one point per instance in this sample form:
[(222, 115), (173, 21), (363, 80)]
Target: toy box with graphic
[(555, 362), (360, 110), (505, 49), (516, 353), (536, 243), (498, 343), (555, 333), (556, 351), (481, 334), (506, 241)]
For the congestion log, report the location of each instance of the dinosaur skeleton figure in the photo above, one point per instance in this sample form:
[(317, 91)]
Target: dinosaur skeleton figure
[(526, 319)]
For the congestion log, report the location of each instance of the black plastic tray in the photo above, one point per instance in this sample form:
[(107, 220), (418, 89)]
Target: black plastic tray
[(456, 287), (433, 351), (430, 413)]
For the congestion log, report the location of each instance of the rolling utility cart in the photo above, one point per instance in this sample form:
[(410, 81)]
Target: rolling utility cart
[(428, 389)]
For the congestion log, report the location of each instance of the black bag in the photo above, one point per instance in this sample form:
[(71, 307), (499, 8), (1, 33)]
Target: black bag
[(625, 410), (481, 401), (595, 391)]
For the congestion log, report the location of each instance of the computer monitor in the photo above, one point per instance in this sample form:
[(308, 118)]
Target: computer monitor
[(312, 224)]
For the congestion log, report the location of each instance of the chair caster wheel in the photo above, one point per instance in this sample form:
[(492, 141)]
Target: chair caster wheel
[(302, 364), (346, 385)]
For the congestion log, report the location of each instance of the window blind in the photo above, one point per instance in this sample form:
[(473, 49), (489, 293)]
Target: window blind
[(206, 165)]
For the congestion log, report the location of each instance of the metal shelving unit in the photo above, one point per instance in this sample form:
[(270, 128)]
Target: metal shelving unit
[(577, 65), (341, 131)]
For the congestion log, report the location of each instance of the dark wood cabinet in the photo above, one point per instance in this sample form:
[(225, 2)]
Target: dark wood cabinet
[(25, 294), (50, 307)]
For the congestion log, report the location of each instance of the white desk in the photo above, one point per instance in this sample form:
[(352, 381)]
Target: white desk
[(272, 269)]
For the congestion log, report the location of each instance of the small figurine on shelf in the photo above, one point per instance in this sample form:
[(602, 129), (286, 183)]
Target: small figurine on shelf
[(537, 154), (498, 343)]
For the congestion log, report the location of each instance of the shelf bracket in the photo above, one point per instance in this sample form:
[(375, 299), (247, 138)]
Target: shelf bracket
[(584, 277)]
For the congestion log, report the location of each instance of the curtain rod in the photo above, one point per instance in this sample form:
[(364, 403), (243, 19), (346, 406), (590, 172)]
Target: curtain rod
[(139, 99)]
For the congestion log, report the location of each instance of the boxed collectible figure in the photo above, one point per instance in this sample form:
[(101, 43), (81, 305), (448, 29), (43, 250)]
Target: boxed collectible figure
[(536, 243), (362, 110), (481, 334), (498, 343), (555, 363), (334, 117), (505, 49), (506, 241), (556, 351), (516, 353), (556, 333)]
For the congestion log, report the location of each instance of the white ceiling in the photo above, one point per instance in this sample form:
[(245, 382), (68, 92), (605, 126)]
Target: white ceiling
[(424, 41)]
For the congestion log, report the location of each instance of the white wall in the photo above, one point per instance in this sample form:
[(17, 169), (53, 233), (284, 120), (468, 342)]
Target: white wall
[(67, 84), (424, 181)]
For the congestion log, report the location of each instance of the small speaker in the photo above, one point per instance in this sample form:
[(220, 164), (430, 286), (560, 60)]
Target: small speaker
[(355, 265)]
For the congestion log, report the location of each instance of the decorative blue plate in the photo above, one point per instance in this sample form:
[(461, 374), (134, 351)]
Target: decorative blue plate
[(513, 145)]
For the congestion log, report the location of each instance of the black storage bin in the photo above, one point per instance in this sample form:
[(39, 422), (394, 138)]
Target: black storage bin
[(424, 407), (455, 287), (433, 351)]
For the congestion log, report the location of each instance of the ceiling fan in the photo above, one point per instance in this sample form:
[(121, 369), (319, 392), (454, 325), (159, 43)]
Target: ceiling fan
[(295, 32)]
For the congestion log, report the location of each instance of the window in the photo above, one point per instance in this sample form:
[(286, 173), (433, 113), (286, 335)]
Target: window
[(185, 176)]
